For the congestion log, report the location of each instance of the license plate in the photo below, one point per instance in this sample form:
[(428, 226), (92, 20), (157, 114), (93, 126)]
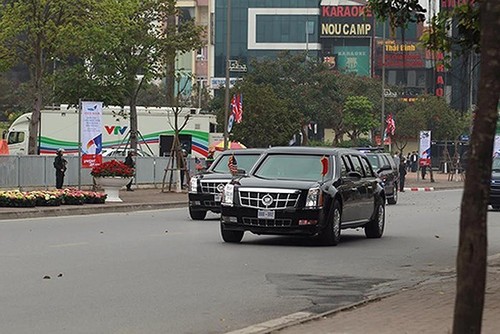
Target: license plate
[(217, 197), (265, 214)]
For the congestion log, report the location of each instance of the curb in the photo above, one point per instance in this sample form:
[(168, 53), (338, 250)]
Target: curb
[(419, 189), (68, 210)]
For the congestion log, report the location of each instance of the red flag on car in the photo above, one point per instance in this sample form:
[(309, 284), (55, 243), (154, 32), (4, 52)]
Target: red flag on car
[(324, 163), (232, 164)]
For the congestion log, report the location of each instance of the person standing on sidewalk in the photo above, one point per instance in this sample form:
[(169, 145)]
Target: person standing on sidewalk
[(60, 165), (402, 174), (129, 161)]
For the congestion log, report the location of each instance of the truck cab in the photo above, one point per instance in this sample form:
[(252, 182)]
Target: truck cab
[(17, 135)]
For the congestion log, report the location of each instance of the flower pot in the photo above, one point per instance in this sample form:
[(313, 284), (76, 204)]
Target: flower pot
[(112, 186)]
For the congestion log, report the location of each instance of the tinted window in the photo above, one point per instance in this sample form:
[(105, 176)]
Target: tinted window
[(345, 168), (292, 167), (366, 167), (374, 161), (357, 164), (15, 137), (243, 161)]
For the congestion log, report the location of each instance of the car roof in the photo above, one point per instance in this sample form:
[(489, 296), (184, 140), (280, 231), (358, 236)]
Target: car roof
[(243, 151), (310, 150)]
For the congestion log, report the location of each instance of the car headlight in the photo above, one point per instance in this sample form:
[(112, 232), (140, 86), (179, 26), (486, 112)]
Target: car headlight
[(193, 186), (314, 198), (227, 194)]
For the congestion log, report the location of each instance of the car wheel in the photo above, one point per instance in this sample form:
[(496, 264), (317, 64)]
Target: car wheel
[(394, 198), (197, 214), (230, 236), (375, 227), (330, 235)]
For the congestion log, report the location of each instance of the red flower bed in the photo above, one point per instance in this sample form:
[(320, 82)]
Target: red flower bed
[(112, 168)]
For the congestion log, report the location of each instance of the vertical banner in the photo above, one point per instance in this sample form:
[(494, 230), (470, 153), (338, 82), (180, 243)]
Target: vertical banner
[(91, 142), (425, 148)]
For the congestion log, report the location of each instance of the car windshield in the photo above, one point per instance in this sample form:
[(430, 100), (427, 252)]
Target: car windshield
[(292, 167), (243, 161), (373, 161), (496, 165)]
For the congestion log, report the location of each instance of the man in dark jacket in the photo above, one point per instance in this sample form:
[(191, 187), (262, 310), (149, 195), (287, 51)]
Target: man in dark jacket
[(129, 161), (60, 166), (402, 174)]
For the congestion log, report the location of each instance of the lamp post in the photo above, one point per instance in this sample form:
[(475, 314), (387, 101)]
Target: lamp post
[(228, 57), (382, 114)]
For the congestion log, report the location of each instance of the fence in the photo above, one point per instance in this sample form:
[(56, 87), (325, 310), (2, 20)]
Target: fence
[(35, 171)]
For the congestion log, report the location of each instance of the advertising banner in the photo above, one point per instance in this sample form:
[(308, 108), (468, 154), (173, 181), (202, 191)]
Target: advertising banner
[(353, 59), (91, 134), (425, 148)]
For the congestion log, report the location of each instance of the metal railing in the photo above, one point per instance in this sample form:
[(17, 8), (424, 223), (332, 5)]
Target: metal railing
[(35, 171)]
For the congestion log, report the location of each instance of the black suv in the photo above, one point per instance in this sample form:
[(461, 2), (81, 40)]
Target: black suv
[(387, 169), (495, 184), (205, 188), (308, 191)]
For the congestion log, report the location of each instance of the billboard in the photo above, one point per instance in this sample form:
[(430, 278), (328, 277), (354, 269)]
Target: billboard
[(353, 59), (91, 130), (346, 21)]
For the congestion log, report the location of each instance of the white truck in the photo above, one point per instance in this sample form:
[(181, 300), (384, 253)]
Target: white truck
[(59, 129)]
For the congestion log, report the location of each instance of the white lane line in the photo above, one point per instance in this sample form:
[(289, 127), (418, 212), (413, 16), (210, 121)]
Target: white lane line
[(265, 327)]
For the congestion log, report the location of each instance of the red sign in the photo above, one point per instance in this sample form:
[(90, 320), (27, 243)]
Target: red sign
[(345, 11), (91, 160), (440, 75)]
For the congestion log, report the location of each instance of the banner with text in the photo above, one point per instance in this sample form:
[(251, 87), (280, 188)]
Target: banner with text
[(425, 148), (91, 134), (346, 21), (353, 59)]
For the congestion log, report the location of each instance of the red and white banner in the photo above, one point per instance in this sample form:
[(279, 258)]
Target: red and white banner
[(91, 142)]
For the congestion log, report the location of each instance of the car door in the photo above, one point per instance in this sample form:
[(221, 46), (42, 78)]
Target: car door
[(348, 190), (370, 186), (358, 189)]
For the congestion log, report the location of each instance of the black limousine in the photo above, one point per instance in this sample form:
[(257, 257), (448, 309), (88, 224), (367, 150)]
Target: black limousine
[(308, 191)]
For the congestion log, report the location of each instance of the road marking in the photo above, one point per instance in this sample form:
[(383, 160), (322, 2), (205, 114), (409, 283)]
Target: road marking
[(70, 244)]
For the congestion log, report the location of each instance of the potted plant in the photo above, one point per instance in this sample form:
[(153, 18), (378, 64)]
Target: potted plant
[(111, 176)]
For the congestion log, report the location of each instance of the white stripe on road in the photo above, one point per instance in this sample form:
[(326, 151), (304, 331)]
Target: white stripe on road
[(70, 244), (274, 324)]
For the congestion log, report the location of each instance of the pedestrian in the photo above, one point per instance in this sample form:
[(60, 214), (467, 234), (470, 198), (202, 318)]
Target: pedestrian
[(396, 158), (414, 161), (408, 162), (129, 161), (60, 164), (423, 170), (402, 174)]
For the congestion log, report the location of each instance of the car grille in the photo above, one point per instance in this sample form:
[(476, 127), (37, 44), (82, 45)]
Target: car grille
[(249, 221), (211, 203), (212, 187), (277, 198)]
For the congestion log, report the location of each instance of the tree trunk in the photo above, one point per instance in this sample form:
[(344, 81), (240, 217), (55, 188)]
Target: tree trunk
[(472, 248), (33, 144), (133, 124)]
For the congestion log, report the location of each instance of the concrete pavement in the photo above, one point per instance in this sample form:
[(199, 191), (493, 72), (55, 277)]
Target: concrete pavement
[(426, 308)]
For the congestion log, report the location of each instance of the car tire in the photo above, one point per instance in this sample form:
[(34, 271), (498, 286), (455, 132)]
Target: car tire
[(197, 214), (231, 236), (375, 227), (330, 235), (394, 199)]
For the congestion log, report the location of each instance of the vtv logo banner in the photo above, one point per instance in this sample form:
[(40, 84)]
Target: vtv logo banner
[(115, 129)]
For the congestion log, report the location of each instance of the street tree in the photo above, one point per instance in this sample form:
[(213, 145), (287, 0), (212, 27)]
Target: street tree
[(32, 33), (481, 23), (358, 117), (136, 39), (267, 120)]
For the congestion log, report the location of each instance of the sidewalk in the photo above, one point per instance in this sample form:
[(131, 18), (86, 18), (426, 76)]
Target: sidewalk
[(426, 308)]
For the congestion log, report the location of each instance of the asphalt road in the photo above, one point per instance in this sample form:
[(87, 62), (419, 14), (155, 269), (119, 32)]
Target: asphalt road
[(160, 272)]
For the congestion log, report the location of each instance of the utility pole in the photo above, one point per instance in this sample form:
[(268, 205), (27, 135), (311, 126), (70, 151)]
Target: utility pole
[(382, 113), (228, 57)]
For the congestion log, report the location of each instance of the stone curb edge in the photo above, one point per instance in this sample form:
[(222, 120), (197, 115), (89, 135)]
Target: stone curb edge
[(419, 189), (89, 209)]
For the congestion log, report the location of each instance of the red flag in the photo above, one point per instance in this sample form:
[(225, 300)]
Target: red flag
[(237, 107), (324, 163), (391, 125)]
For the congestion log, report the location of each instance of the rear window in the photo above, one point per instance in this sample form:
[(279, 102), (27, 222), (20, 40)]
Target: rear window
[(374, 161)]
